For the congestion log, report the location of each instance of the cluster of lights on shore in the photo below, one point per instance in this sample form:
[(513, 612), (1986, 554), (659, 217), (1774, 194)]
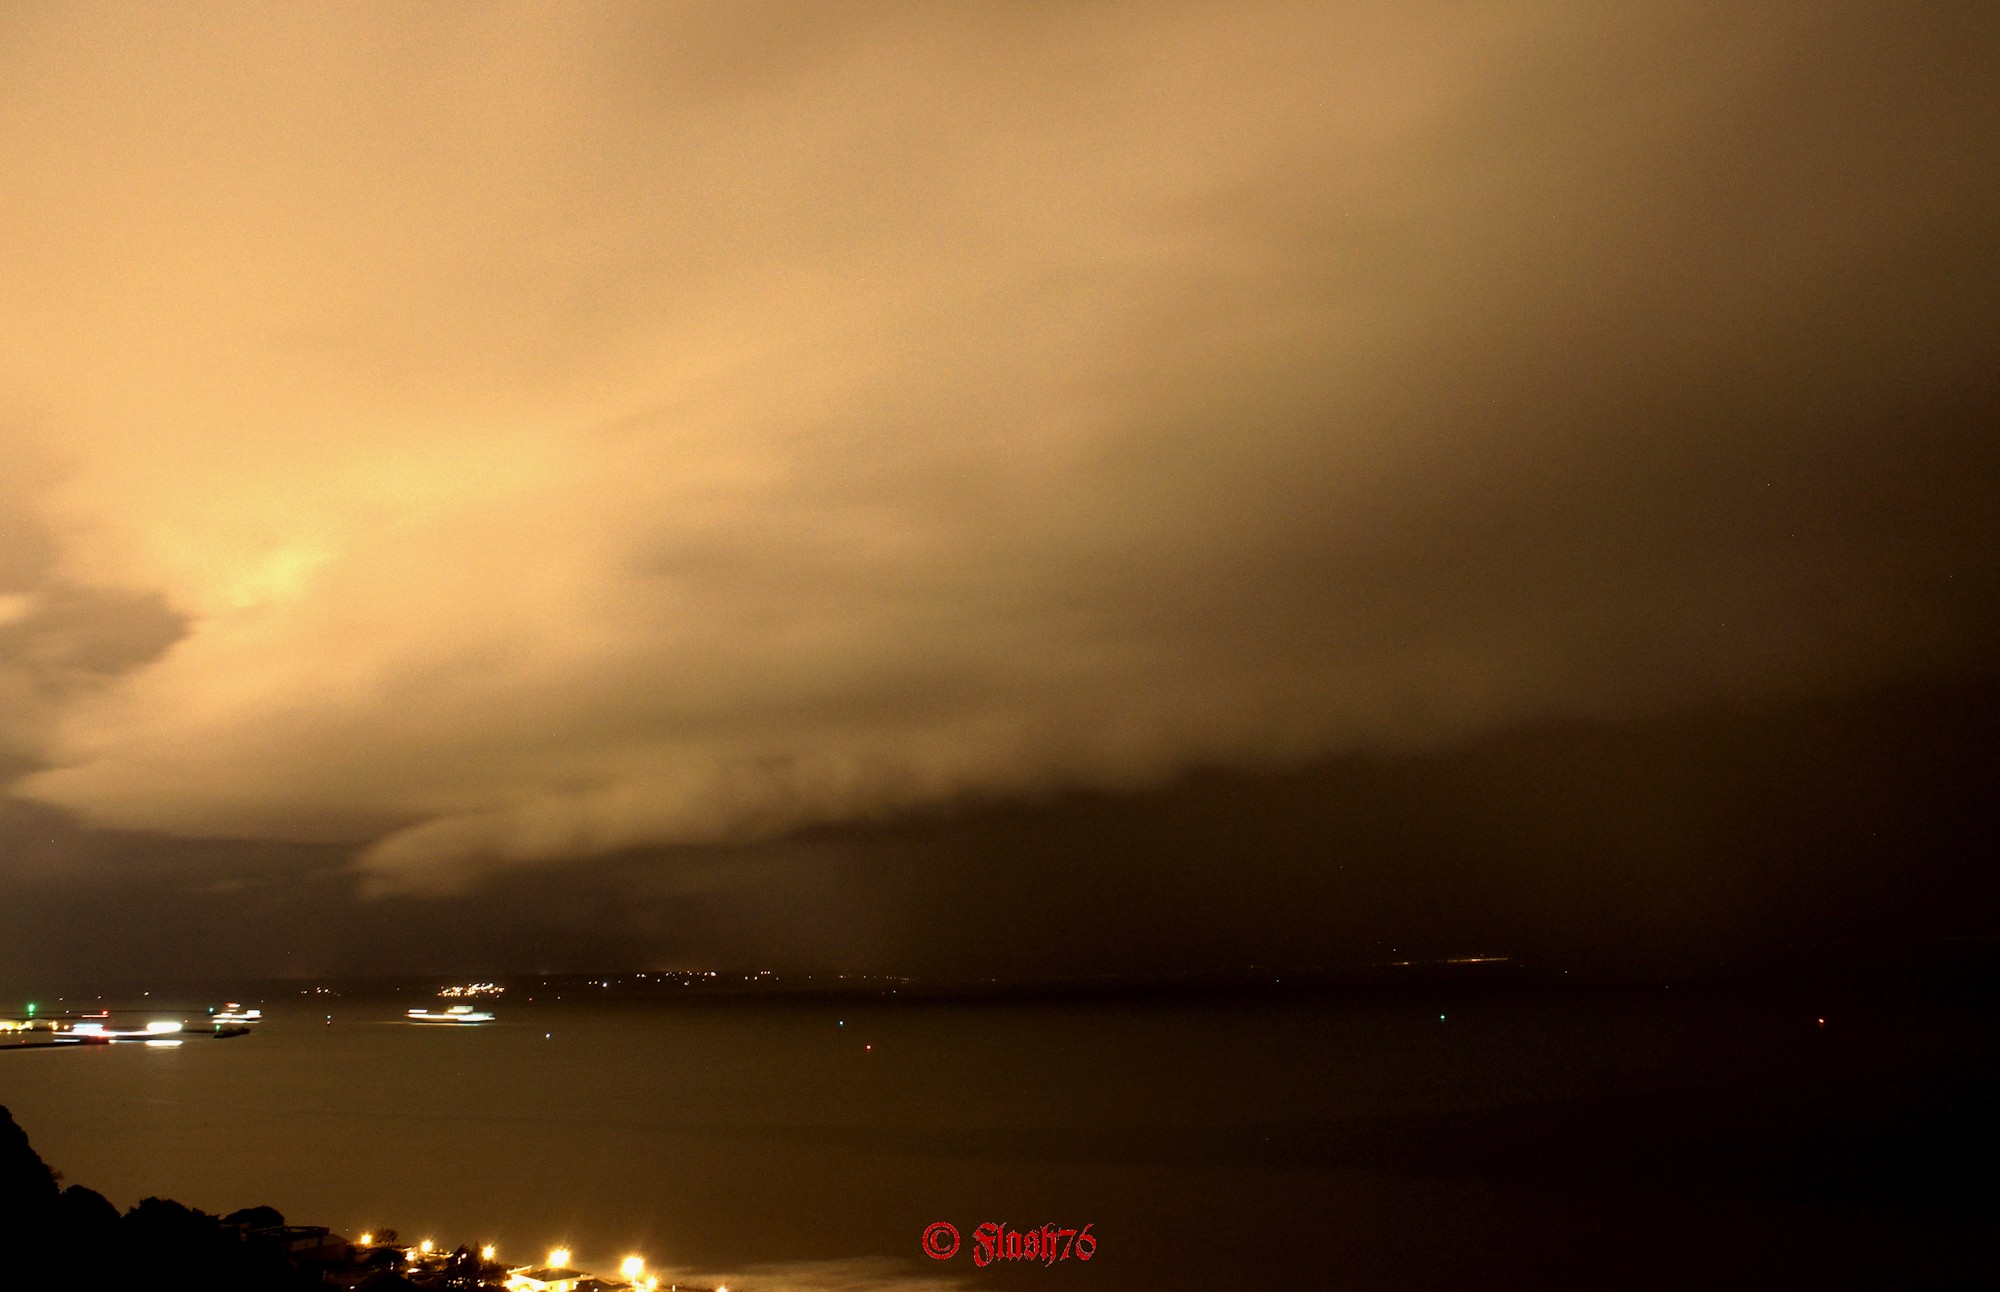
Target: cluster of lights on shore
[(632, 1268)]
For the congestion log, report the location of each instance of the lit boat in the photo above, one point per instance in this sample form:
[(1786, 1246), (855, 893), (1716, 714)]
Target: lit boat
[(456, 1014), (161, 1032), (235, 1013)]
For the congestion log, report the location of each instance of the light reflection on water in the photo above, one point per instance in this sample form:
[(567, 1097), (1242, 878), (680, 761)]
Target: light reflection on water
[(773, 1146)]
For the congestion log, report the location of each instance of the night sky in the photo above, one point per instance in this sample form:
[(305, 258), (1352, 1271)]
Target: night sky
[(1012, 490)]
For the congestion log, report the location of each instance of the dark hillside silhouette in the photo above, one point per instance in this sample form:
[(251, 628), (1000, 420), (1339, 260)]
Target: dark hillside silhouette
[(75, 1238)]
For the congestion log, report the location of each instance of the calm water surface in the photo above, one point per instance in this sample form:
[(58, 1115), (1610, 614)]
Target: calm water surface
[(780, 1145)]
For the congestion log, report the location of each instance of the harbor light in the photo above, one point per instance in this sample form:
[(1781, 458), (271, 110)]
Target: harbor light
[(368, 1240), (559, 1258), (488, 1252), (425, 1247), (632, 1267)]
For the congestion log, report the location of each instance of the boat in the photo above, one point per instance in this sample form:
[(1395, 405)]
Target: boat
[(456, 1014)]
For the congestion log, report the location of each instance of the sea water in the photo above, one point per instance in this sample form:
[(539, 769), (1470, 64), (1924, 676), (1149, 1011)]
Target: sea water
[(1358, 1141)]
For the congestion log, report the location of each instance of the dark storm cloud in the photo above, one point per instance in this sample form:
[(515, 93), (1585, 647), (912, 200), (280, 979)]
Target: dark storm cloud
[(64, 629), (577, 431), (60, 640)]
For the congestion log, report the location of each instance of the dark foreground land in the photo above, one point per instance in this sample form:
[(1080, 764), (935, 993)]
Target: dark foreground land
[(73, 1237)]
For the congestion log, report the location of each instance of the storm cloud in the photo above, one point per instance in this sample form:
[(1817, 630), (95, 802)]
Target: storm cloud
[(489, 435)]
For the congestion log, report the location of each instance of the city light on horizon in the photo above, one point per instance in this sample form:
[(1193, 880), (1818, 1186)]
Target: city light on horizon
[(1148, 555)]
